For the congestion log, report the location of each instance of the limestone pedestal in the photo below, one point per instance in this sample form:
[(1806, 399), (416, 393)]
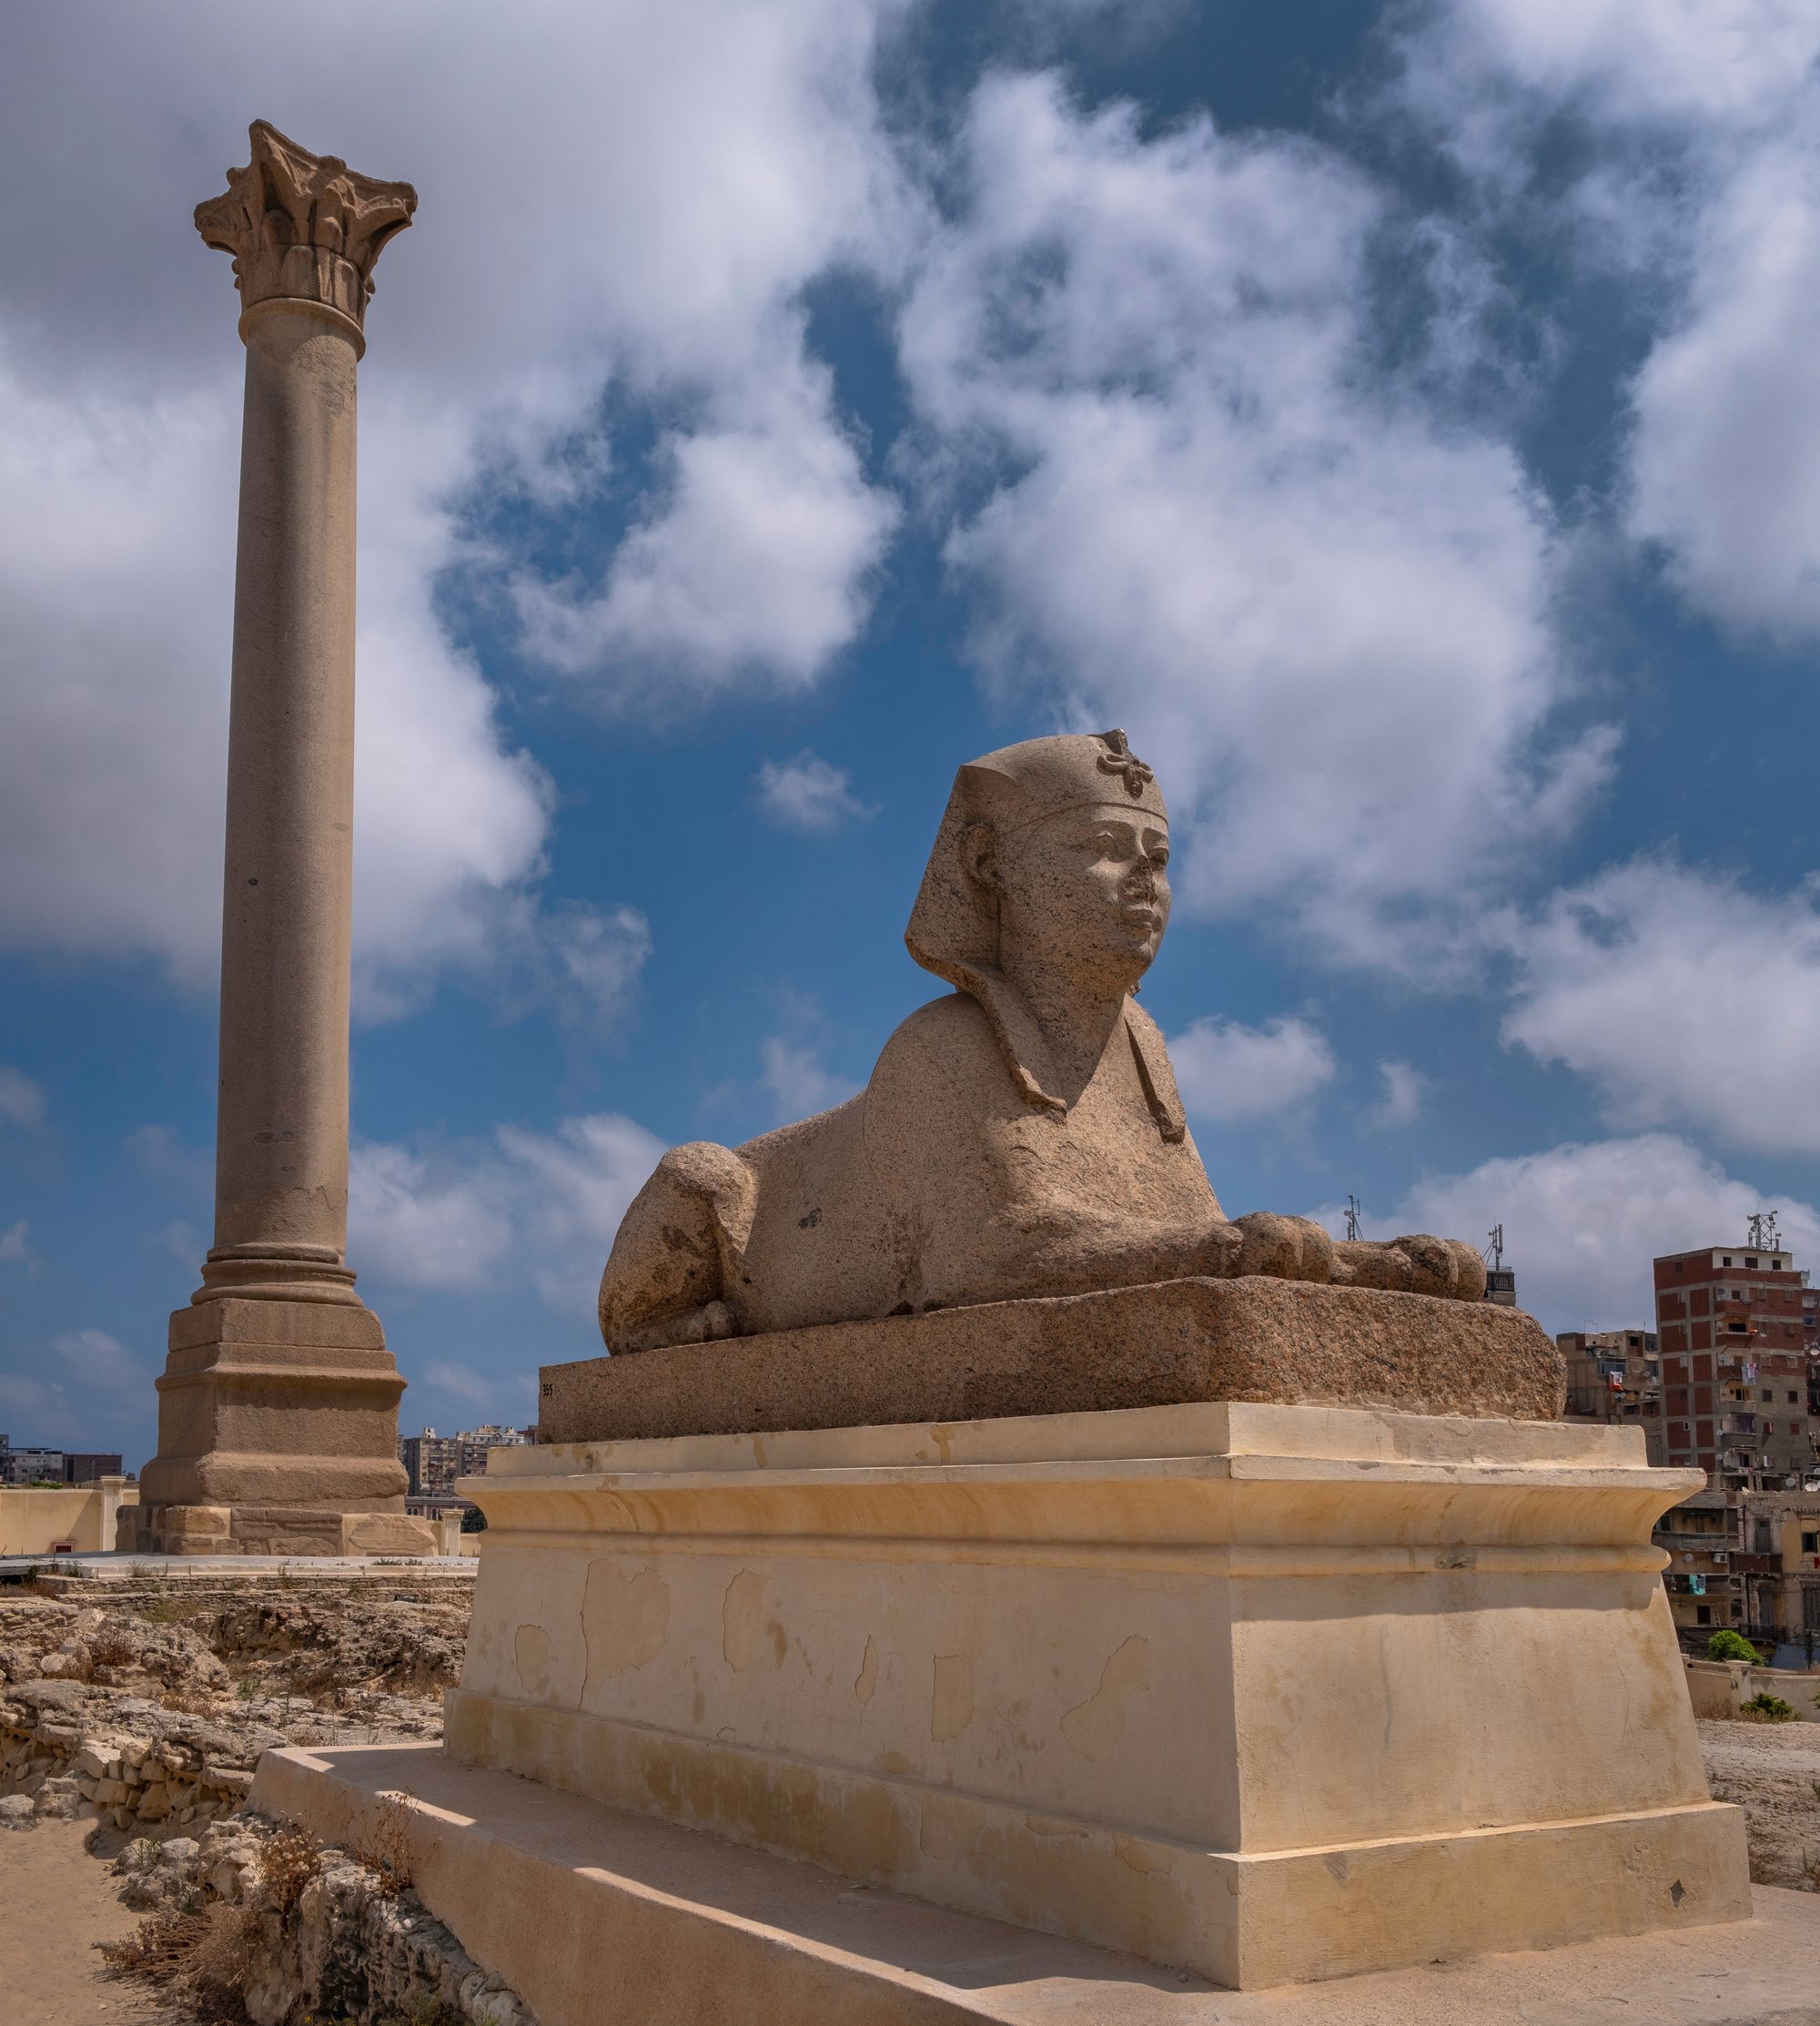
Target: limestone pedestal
[(1267, 1692), (278, 1434)]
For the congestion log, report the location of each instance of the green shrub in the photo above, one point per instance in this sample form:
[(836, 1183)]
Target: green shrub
[(1730, 1645), (1771, 1708), (473, 1520)]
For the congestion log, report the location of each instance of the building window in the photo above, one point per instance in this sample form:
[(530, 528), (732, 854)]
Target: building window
[(1726, 1260), (1810, 1540), (1702, 1614)]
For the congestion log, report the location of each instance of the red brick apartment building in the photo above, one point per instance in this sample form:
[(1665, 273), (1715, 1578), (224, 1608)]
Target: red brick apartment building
[(1736, 1326)]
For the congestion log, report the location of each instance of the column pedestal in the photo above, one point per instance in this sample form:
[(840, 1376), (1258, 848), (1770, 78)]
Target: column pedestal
[(278, 1434)]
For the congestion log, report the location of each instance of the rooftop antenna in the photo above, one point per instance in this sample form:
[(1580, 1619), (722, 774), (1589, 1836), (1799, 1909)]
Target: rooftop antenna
[(1352, 1227), (1495, 1250), (1762, 1238)]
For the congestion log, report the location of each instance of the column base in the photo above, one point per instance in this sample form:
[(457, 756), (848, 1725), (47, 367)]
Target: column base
[(285, 1530), (278, 1434)]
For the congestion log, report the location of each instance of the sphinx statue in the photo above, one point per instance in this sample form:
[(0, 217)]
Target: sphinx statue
[(1020, 1136)]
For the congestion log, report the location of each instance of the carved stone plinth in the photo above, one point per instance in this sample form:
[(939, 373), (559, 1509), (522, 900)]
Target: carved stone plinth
[(1269, 1693)]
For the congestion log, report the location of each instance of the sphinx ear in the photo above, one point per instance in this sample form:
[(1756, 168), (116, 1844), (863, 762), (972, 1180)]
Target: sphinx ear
[(979, 857)]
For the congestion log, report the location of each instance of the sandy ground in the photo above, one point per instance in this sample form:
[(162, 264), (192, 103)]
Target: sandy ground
[(58, 1902), (1772, 1771)]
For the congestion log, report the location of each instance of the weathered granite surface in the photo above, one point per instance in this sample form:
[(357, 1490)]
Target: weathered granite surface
[(1257, 1338)]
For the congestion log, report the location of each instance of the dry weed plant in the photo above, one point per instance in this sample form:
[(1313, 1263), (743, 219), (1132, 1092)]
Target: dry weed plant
[(110, 1648), (158, 1947), (385, 1848), (199, 1957), (290, 1860)]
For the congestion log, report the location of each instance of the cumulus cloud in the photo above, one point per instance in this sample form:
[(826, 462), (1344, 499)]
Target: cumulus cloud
[(1582, 1221), (749, 135), (1207, 515), (22, 1102), (751, 567), (1403, 1086), (1686, 997), (809, 794), (15, 1245), (1697, 129), (1227, 1070), (520, 1207)]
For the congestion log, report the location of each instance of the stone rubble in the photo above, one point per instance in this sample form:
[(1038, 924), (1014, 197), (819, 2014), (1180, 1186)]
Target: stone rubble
[(349, 1948)]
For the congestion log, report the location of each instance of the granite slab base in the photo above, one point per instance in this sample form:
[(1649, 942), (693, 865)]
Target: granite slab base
[(1253, 1338), (598, 1916)]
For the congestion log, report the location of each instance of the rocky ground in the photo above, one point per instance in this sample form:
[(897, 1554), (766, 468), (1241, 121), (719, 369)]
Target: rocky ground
[(139, 1709)]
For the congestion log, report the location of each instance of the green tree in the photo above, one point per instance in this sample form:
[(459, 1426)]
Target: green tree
[(1730, 1645), (473, 1520)]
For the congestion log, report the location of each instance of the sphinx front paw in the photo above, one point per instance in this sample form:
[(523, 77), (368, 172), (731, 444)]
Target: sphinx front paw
[(1286, 1248), (1414, 1264)]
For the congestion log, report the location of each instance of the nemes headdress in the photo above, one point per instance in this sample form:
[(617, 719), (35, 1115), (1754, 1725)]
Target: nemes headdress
[(953, 928)]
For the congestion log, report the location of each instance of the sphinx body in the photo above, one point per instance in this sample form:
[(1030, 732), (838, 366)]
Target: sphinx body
[(1020, 1137)]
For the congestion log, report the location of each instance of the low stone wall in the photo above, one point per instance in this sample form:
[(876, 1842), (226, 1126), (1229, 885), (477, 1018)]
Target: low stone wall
[(320, 1934), (1722, 1687), (149, 1766), (39, 1520)]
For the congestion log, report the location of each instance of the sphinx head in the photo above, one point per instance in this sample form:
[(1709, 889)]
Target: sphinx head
[(1052, 858)]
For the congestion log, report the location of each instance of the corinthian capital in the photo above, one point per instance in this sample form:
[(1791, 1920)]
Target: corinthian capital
[(303, 228)]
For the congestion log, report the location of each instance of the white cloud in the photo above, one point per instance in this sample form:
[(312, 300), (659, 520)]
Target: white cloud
[(1404, 1087), (1725, 455), (1686, 997), (749, 135), (415, 1224), (1697, 124), (809, 794), (14, 1244), (543, 1208), (1227, 1070), (752, 567), (99, 1362), (1583, 1222), (1323, 608), (461, 1381), (572, 1190), (22, 1102), (798, 1079)]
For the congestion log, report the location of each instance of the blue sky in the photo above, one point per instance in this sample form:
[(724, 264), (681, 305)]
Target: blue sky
[(1406, 424)]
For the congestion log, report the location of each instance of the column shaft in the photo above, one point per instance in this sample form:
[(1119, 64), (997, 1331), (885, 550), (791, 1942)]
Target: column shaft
[(282, 1134)]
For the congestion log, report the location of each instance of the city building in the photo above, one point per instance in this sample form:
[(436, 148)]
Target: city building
[(1697, 1535), (1733, 1324), (1781, 1538), (32, 1464), (434, 1461), (1615, 1376)]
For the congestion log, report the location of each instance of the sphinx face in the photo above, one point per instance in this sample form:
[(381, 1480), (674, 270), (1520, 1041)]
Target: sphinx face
[(1086, 892)]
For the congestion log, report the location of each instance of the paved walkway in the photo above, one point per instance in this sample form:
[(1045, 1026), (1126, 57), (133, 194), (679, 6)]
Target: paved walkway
[(140, 1568)]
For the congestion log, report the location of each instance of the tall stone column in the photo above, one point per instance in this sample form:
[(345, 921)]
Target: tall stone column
[(278, 1409)]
